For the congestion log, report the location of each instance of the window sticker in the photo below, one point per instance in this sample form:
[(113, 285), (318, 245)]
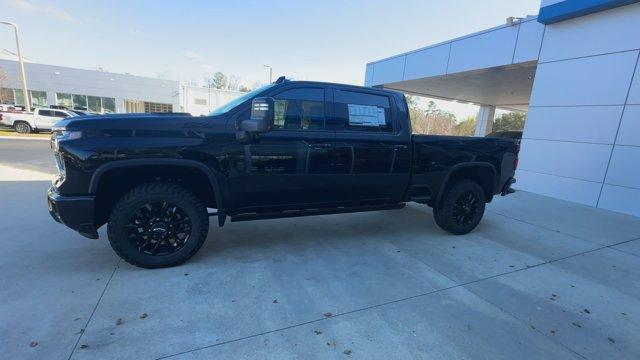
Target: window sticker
[(366, 115)]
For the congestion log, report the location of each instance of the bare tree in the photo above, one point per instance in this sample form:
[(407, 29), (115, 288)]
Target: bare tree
[(233, 82)]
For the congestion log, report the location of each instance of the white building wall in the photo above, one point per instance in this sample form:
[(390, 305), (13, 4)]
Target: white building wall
[(198, 100), (58, 79), (581, 141)]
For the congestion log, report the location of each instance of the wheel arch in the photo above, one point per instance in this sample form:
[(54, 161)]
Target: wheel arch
[(483, 173), (139, 164)]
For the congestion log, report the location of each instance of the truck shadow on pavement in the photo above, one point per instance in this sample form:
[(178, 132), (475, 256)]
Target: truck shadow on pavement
[(340, 231)]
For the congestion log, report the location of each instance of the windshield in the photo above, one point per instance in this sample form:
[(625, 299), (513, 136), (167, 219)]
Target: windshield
[(239, 100)]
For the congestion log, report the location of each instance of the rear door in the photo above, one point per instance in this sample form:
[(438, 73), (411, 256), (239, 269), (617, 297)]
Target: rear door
[(368, 133)]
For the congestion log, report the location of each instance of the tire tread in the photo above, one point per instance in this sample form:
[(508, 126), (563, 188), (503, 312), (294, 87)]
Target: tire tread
[(153, 189)]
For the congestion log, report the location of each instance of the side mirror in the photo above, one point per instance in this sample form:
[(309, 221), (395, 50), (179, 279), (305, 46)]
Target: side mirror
[(261, 119)]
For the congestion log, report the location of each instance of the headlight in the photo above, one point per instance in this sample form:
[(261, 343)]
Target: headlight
[(60, 134)]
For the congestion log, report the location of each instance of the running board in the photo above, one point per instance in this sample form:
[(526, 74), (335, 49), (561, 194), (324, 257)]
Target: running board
[(311, 212)]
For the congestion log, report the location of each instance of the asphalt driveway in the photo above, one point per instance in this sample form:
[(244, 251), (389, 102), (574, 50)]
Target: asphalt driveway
[(539, 278)]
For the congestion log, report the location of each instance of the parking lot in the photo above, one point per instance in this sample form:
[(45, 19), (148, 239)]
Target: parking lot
[(539, 278)]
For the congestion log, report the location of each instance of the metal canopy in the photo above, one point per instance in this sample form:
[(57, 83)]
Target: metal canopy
[(507, 87)]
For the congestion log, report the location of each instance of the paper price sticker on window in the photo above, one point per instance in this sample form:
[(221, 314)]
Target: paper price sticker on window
[(366, 115)]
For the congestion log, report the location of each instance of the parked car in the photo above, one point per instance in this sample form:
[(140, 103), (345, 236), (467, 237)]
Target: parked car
[(82, 112), (40, 119), (509, 134), (291, 148)]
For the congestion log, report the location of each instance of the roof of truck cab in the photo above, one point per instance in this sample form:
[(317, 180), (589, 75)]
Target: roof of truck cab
[(349, 86)]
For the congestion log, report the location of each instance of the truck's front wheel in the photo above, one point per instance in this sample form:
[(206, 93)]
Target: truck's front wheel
[(158, 225), (462, 207)]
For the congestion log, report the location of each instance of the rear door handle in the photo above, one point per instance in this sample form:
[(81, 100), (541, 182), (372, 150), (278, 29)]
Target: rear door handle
[(399, 147)]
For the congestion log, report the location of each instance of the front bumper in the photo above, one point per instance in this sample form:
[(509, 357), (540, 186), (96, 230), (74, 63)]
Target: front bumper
[(76, 212)]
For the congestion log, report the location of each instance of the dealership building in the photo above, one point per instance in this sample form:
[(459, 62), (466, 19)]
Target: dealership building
[(102, 91), (573, 68)]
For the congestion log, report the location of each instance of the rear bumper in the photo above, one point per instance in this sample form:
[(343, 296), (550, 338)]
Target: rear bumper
[(506, 189), (76, 212)]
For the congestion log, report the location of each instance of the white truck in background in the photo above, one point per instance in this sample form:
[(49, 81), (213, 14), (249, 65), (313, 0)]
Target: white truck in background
[(40, 119)]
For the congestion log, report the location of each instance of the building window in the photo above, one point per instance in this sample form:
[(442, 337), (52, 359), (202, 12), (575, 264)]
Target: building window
[(94, 104), (7, 96), (14, 96), (150, 107), (108, 104), (38, 98), (65, 100), (200, 101), (84, 102), (80, 102)]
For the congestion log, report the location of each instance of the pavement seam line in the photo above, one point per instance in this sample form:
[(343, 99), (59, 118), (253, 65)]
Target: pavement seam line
[(554, 230), (458, 285), (527, 324), (86, 325)]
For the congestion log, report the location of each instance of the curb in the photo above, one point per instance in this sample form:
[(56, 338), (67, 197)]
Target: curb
[(24, 138)]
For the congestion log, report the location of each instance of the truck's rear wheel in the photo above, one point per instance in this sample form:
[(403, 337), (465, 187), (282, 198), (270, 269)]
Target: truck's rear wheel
[(158, 225), (22, 127), (462, 207)]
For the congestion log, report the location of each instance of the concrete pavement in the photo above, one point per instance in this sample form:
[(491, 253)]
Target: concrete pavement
[(539, 278)]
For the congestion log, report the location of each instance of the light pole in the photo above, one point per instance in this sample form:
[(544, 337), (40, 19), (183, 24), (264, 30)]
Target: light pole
[(270, 73), (25, 92)]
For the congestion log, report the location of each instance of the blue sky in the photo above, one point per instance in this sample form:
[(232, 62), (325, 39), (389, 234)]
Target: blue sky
[(326, 40)]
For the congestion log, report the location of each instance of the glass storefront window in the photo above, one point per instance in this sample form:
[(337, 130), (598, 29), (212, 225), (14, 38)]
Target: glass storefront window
[(64, 100), (94, 103), (6, 96), (17, 95), (80, 102), (109, 104), (38, 98)]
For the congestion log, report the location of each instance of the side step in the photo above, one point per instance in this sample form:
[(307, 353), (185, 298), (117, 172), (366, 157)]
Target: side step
[(311, 212)]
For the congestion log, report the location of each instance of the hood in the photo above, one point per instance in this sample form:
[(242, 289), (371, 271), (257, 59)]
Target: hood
[(169, 121)]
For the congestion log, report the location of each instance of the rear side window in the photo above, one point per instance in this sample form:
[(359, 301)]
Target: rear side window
[(356, 111), (46, 112), (299, 109)]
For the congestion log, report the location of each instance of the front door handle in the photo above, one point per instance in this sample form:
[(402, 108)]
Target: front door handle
[(320, 146), (399, 147)]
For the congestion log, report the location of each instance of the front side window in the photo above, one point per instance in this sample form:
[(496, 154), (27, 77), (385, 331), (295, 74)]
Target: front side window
[(299, 109), (357, 111)]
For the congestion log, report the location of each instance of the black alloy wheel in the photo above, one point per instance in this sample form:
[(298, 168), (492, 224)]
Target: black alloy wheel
[(158, 225), (465, 208), (159, 228), (461, 208)]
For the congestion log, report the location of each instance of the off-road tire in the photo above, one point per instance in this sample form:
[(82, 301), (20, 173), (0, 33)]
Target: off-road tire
[(443, 214), (157, 191)]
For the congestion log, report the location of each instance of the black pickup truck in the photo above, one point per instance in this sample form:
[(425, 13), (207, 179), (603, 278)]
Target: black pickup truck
[(291, 148)]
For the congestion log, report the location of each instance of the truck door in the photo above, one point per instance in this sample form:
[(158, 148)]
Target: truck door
[(275, 170), (367, 133), (46, 118)]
